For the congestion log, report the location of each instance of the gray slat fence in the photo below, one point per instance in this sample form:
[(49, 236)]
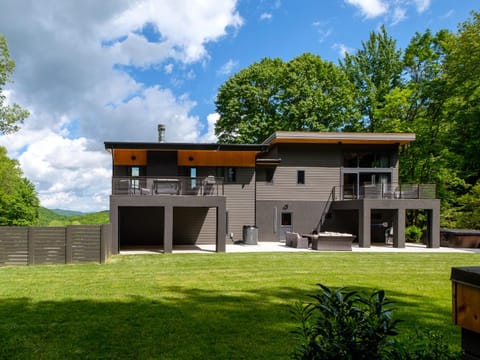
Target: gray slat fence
[(54, 245)]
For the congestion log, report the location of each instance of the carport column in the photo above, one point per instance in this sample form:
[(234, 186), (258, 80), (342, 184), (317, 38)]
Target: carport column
[(364, 226), (399, 228), (434, 224), (221, 227), (115, 224), (168, 230)]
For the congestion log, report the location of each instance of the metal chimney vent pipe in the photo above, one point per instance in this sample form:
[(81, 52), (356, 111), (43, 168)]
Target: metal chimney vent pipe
[(161, 133)]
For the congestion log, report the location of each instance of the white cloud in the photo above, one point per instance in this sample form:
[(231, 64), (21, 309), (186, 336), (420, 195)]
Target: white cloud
[(324, 30), (448, 14), (422, 5), (227, 68), (70, 58), (266, 16), (342, 49), (370, 8), (185, 25), (210, 136), (393, 11), (399, 14), (168, 68), (67, 173)]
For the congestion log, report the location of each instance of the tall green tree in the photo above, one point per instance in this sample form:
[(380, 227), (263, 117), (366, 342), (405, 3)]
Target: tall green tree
[(462, 65), (10, 115), (306, 93), (419, 106), (19, 203), (375, 70)]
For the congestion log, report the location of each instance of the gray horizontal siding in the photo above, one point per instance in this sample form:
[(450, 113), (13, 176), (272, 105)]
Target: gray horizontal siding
[(194, 225), (319, 182), (322, 165), (322, 172), (241, 201)]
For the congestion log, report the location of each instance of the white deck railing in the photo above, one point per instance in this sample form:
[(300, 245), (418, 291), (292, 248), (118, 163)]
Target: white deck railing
[(167, 185), (388, 191)]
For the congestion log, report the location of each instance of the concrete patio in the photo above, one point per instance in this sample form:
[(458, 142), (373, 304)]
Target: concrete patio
[(280, 247)]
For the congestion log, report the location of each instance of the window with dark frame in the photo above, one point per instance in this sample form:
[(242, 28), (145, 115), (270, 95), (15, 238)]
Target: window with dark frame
[(301, 177), (375, 159), (231, 174), (269, 174)]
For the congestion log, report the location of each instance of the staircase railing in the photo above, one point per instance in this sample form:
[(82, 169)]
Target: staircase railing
[(325, 211)]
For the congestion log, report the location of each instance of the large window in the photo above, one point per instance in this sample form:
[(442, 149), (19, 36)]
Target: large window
[(228, 173), (375, 159)]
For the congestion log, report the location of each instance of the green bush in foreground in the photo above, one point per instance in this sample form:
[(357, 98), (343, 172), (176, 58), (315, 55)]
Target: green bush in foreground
[(343, 324)]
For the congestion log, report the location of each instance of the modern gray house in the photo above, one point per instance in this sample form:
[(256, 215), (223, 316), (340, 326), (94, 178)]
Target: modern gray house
[(167, 194)]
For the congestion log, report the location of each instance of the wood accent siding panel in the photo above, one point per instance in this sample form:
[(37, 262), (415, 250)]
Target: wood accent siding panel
[(322, 172), (241, 201), (216, 158), (13, 245), (48, 244), (194, 225), (129, 157), (85, 243)]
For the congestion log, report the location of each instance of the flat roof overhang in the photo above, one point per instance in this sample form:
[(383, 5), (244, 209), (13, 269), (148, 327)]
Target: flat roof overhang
[(237, 155), (110, 145), (305, 137)]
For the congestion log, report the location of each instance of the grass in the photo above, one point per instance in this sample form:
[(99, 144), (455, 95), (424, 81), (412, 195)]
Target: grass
[(205, 306)]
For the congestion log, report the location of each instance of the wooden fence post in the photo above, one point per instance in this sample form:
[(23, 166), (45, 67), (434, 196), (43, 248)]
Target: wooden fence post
[(103, 244), (68, 245), (31, 248)]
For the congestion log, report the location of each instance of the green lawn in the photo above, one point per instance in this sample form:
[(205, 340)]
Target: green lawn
[(205, 306)]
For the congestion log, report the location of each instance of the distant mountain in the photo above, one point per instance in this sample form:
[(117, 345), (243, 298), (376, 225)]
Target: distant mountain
[(67, 213), (59, 217)]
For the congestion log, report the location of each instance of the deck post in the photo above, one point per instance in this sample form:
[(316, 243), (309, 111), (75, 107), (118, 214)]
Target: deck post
[(168, 230), (434, 227), (399, 228), (221, 227), (364, 226)]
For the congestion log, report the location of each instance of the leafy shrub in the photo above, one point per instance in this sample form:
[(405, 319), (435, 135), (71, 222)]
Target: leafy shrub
[(342, 324), (413, 234)]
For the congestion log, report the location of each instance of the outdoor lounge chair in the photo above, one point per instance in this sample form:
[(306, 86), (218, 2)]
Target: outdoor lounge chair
[(294, 239), (209, 185)]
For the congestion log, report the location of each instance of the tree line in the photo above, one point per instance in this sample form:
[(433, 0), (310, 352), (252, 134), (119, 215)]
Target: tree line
[(19, 203), (430, 88)]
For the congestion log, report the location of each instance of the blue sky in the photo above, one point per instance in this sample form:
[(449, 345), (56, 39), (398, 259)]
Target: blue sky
[(95, 71)]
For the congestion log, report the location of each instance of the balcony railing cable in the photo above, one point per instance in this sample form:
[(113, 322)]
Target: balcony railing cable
[(161, 185)]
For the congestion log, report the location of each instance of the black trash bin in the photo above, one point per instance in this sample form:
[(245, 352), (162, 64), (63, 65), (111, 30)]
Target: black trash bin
[(250, 234)]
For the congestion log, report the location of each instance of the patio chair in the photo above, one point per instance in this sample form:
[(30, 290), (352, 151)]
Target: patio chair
[(294, 239), (209, 185)]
